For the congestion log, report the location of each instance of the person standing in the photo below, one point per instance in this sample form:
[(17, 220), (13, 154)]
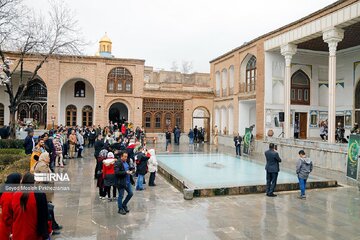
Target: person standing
[(177, 135), (80, 143), (49, 147), (216, 133), (5, 206), (29, 142), (168, 139), (99, 145), (191, 136), (58, 151), (174, 132), (304, 167), (272, 169), (141, 170), (296, 128), (152, 166), (72, 143), (196, 132), (92, 136), (323, 131), (237, 142), (108, 172), (122, 174), (29, 213)]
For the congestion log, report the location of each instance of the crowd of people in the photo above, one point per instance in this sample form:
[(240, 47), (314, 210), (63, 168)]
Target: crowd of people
[(122, 160)]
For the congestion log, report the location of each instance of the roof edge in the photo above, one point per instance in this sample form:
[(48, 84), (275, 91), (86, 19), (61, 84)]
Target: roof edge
[(281, 28)]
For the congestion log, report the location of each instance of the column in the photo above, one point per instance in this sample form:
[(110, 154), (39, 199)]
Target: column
[(287, 51), (332, 37)]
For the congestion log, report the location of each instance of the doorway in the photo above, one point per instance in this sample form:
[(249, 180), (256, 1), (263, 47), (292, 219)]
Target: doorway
[(201, 119), (118, 113), (300, 125)]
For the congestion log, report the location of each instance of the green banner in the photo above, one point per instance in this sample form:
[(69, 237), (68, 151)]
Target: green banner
[(353, 156), (247, 140)]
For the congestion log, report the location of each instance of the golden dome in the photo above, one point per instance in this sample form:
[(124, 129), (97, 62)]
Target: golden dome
[(105, 38)]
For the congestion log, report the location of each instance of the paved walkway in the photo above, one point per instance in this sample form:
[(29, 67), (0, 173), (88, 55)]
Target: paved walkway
[(161, 212)]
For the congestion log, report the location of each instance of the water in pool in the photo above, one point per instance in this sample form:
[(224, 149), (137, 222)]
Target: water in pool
[(219, 170)]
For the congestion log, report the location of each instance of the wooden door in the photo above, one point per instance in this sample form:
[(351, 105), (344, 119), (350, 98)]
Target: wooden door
[(303, 126)]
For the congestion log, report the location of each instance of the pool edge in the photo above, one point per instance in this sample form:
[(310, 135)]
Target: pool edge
[(239, 190)]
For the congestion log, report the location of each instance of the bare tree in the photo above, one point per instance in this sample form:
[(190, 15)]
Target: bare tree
[(174, 66), (186, 67), (34, 35)]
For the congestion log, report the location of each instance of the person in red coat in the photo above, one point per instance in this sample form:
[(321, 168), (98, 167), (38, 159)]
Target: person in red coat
[(123, 130), (108, 172), (5, 205), (30, 214)]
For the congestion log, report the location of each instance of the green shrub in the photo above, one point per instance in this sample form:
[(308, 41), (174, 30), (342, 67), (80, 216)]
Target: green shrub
[(14, 151), (21, 166), (6, 159), (12, 143)]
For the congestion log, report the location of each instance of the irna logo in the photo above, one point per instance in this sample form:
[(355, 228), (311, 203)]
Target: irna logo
[(51, 177)]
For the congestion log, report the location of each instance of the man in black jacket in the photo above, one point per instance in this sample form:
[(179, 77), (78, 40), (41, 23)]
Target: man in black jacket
[(141, 169), (99, 145), (123, 175), (29, 142), (168, 139), (272, 169), (237, 142)]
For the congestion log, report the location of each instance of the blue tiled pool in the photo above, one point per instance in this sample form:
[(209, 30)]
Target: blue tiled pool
[(219, 170)]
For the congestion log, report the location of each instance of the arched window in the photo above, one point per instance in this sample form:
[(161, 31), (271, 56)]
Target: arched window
[(231, 80), (23, 111), (79, 90), (168, 121), (111, 86), (148, 120), (300, 88), (71, 115), (36, 91), (87, 116), (158, 120), (119, 86), (223, 129), (2, 114), (120, 80), (250, 75), (357, 103), (217, 83), (224, 82)]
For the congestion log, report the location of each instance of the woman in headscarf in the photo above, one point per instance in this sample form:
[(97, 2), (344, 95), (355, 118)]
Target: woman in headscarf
[(108, 172), (5, 205), (30, 213), (152, 166), (100, 179)]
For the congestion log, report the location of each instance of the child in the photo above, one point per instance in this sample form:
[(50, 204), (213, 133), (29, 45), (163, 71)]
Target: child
[(303, 168)]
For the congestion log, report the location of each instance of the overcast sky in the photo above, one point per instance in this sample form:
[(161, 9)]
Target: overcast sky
[(163, 31)]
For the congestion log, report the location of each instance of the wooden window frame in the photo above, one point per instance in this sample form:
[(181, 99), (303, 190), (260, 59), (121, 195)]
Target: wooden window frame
[(120, 76), (71, 112), (250, 75), (87, 113), (79, 85), (300, 90)]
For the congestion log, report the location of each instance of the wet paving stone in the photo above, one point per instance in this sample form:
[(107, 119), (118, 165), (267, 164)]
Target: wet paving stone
[(162, 213)]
